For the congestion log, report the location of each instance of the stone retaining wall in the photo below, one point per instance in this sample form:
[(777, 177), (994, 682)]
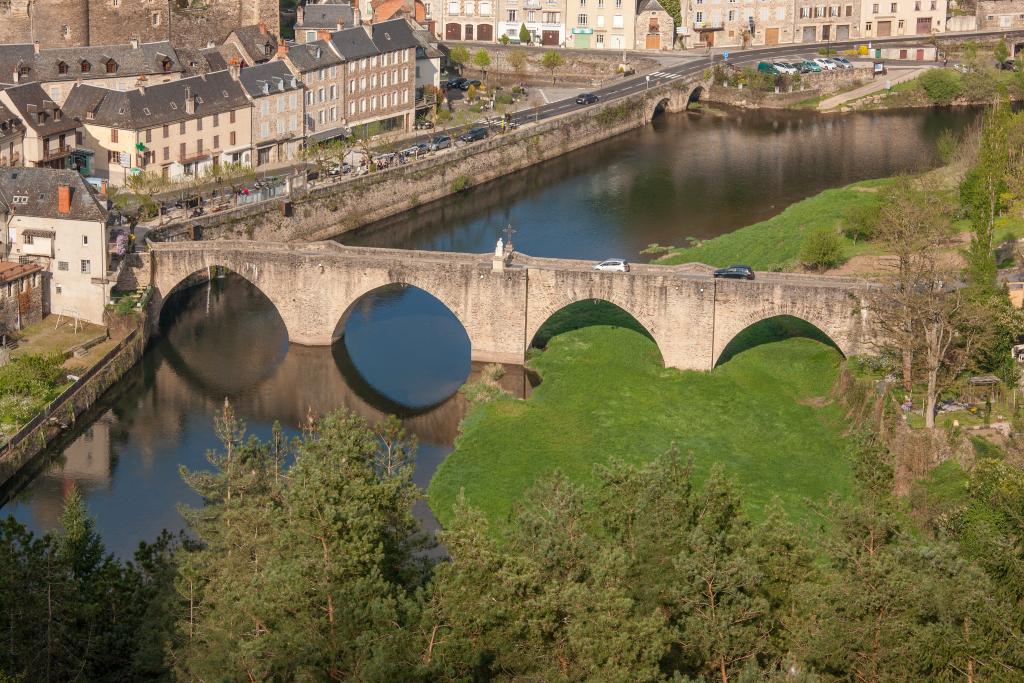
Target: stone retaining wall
[(582, 67), (333, 210), (65, 409), (811, 86)]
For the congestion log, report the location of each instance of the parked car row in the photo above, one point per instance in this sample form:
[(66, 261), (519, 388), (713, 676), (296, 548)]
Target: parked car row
[(460, 83), (805, 66)]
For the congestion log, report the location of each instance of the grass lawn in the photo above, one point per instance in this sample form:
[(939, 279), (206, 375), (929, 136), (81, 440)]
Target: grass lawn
[(764, 415), (775, 244), (45, 337)]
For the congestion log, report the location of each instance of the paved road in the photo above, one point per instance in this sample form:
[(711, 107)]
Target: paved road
[(697, 64)]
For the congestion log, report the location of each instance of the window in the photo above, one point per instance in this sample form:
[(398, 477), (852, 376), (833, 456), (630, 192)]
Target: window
[(333, 96), (167, 153), (581, 19), (698, 17), (113, 157), (59, 289), (780, 13), (62, 68), (181, 150), (86, 66), (86, 266), (732, 15), (265, 107), (352, 108), (154, 19), (216, 120), (231, 119), (849, 10), (231, 137), (199, 123), (892, 8), (149, 135), (199, 146), (310, 36), (600, 39), (513, 15), (65, 31), (600, 21), (917, 6), (85, 240), (26, 239), (867, 26), (62, 265), (166, 130), (900, 24), (181, 128), (265, 130), (933, 5), (453, 8)]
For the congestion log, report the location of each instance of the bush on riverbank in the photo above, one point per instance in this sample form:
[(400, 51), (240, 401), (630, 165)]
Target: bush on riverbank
[(27, 384), (606, 395), (775, 244)]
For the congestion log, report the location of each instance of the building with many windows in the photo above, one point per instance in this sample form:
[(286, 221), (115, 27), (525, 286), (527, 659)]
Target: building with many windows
[(880, 18), (51, 139), (56, 222), (321, 70), (608, 24), (545, 20), (470, 19), (740, 23), (277, 106), (185, 127), (823, 22)]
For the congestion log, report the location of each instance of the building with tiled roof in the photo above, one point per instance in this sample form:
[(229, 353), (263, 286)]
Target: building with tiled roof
[(51, 139), (21, 296), (255, 44), (55, 221), (183, 127), (332, 17), (276, 94)]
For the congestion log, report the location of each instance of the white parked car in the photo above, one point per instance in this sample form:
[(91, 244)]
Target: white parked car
[(784, 67), (825, 63), (613, 265), (843, 62)]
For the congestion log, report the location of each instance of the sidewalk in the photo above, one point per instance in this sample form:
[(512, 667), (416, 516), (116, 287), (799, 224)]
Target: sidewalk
[(881, 82)]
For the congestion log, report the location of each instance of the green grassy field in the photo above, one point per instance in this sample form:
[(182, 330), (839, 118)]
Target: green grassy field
[(764, 415), (775, 244)]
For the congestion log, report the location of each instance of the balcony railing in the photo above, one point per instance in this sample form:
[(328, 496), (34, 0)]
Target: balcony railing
[(51, 153), (708, 26)]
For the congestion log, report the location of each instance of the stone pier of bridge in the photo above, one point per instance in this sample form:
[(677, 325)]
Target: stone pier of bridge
[(690, 315)]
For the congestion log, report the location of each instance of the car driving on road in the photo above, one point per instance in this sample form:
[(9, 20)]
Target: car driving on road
[(474, 134), (587, 98), (613, 265), (440, 142), (736, 273)]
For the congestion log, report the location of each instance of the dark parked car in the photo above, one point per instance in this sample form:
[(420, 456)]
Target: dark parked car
[(465, 84), (473, 134), (456, 82), (736, 272), (587, 98), (440, 142)]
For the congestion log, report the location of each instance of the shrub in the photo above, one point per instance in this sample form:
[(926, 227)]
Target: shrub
[(862, 221), (503, 99), (443, 115), (471, 93), (460, 183), (524, 35), (503, 40), (946, 145), (822, 250), (941, 85)]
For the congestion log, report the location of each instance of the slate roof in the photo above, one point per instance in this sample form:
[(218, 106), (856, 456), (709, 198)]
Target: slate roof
[(390, 36), (650, 6), (214, 59), (353, 43), (255, 43), (147, 58), (275, 76), (38, 112), (156, 105), (39, 187), (326, 16), (311, 56)]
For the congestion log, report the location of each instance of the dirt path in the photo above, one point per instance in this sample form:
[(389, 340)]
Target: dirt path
[(896, 75)]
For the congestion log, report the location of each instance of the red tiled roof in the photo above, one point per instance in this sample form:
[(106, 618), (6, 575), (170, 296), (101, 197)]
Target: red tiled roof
[(10, 271)]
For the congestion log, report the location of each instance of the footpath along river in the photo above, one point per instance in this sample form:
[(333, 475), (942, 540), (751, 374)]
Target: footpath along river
[(686, 175)]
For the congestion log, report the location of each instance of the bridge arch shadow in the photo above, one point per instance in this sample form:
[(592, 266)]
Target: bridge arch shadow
[(773, 329), (666, 103), (587, 313), (408, 348)]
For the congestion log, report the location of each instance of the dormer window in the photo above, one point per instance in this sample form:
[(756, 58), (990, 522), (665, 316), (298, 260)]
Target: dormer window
[(90, 115), (86, 66), (62, 68), (111, 66), (56, 114), (268, 50), (23, 71), (166, 65)]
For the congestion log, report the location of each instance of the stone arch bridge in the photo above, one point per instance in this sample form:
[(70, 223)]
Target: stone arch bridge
[(690, 315)]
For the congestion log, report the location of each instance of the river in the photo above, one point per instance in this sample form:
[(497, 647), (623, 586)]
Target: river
[(686, 175)]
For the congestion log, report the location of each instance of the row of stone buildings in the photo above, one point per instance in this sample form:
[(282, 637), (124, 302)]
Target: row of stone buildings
[(115, 111), (645, 25)]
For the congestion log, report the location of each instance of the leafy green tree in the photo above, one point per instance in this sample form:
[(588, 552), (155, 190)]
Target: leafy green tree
[(1001, 51), (983, 194), (524, 35), (822, 249), (459, 56), (482, 60), (941, 85), (552, 61), (517, 59)]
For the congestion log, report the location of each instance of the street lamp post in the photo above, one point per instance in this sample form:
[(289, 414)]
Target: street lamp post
[(648, 86)]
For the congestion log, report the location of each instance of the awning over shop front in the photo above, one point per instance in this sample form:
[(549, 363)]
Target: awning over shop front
[(324, 135)]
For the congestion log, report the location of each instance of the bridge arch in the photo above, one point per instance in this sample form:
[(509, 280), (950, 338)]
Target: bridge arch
[(543, 324), (674, 98), (772, 329)]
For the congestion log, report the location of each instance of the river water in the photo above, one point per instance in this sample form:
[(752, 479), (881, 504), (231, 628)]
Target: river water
[(403, 352)]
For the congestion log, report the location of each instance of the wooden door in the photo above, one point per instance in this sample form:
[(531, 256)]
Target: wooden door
[(771, 36), (653, 42), (884, 28), (485, 32), (924, 26), (549, 38), (452, 31), (469, 31)]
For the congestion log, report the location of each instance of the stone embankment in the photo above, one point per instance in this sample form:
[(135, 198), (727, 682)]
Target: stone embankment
[(48, 425), (331, 210), (811, 86), (589, 68)]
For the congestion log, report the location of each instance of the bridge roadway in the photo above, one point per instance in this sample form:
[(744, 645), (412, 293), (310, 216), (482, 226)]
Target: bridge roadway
[(690, 315), (695, 67)]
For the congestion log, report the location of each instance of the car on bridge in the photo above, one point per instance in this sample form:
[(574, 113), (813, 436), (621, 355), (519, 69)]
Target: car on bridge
[(736, 273), (613, 265), (587, 98)]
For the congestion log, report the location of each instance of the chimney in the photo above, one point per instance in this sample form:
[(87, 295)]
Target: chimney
[(134, 42), (141, 83), (35, 46), (190, 101), (234, 69), (341, 24), (282, 48), (356, 17), (323, 34), (63, 199), (300, 15), (15, 77), (263, 28)]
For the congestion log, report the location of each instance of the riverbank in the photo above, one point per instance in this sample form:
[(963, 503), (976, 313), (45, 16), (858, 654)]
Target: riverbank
[(765, 416)]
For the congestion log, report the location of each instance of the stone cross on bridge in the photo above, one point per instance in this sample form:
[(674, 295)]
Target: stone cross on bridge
[(690, 315)]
